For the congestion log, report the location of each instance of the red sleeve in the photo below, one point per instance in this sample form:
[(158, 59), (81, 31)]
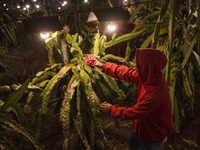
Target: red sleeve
[(121, 72), (145, 106)]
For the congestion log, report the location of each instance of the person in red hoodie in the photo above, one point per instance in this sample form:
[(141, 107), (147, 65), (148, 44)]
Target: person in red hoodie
[(152, 114)]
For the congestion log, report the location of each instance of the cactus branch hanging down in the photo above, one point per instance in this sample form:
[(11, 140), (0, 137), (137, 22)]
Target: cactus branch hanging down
[(64, 45)]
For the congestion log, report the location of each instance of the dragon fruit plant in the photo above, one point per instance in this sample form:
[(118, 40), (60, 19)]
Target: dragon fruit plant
[(84, 87)]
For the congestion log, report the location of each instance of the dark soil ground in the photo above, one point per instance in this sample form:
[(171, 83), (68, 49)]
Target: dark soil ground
[(52, 137)]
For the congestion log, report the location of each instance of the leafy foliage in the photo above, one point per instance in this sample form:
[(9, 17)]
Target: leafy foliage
[(77, 76), (170, 26), (10, 30), (13, 124), (175, 34)]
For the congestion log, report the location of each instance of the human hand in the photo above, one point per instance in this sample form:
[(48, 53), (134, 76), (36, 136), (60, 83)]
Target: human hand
[(98, 63), (105, 107)]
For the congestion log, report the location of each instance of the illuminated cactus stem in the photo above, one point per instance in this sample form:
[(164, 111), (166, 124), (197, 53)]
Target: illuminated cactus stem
[(48, 89)]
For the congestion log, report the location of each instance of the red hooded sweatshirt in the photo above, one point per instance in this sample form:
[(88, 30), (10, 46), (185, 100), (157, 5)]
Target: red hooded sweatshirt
[(152, 113)]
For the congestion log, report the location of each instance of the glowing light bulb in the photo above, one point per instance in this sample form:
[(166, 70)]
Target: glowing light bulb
[(59, 8), (112, 27), (37, 6), (85, 1), (34, 0), (4, 4), (64, 3), (27, 6), (24, 8), (18, 7), (44, 35), (7, 8)]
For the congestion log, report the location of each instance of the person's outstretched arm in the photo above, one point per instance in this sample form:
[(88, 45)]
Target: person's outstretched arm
[(119, 71)]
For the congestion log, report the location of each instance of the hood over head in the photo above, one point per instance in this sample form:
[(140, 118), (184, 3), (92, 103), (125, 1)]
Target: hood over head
[(149, 63)]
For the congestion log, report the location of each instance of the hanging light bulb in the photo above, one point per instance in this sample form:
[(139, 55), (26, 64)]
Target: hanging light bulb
[(111, 27), (44, 35), (64, 3), (86, 1), (18, 7), (37, 6), (27, 6)]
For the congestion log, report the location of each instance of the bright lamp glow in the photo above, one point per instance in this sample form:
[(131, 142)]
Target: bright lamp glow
[(37, 6), (24, 8), (44, 35), (111, 27), (34, 0), (85, 1), (4, 4), (18, 7), (27, 6), (64, 3)]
